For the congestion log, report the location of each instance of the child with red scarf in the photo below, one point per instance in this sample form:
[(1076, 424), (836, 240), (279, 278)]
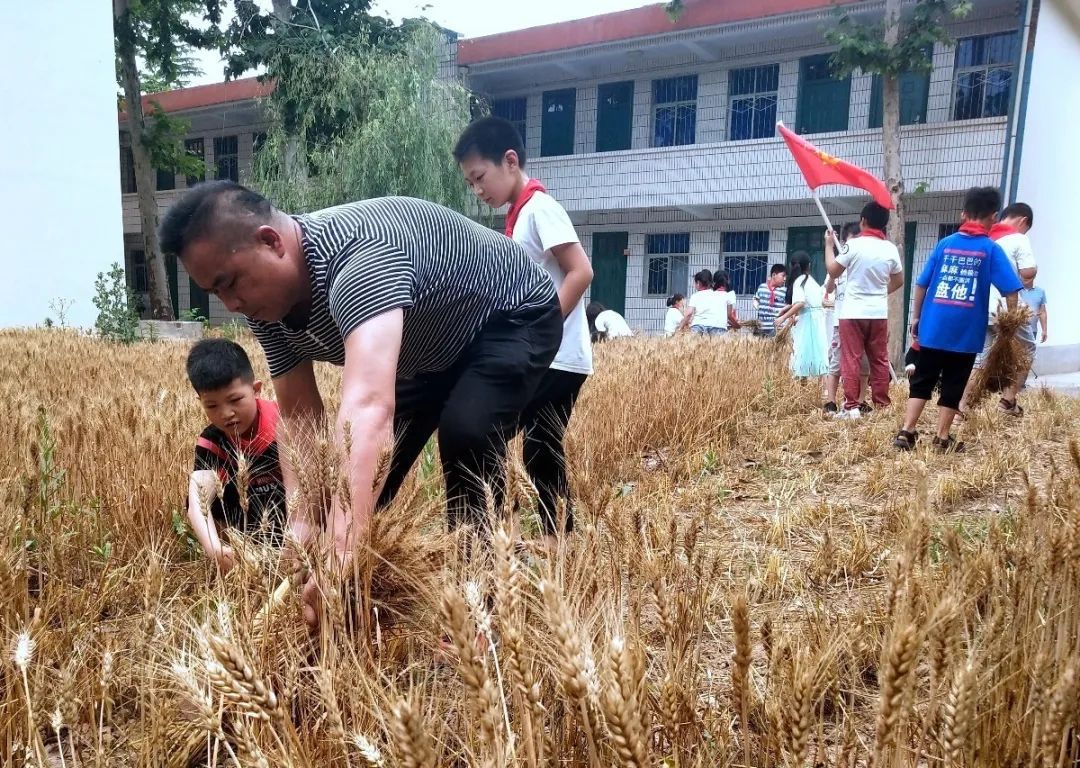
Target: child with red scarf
[(491, 156), (874, 270), (950, 326)]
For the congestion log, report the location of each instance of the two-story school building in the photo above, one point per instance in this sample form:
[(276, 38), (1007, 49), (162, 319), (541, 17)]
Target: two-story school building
[(658, 137)]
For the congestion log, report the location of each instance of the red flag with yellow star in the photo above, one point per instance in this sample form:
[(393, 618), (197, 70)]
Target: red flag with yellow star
[(819, 168)]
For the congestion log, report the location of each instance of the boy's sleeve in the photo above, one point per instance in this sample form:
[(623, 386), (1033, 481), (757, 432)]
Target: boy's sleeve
[(376, 277), (209, 455), (1025, 256), (929, 269), (896, 266), (1001, 273), (553, 226), (844, 259)]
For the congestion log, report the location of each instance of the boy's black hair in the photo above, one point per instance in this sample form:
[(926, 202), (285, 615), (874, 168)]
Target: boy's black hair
[(720, 280), (980, 202), (877, 216), (704, 277), (216, 363), (1020, 209), (851, 229), (776, 269), (674, 299), (230, 209), (490, 138)]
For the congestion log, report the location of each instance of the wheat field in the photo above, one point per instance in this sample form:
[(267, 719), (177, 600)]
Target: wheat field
[(749, 585)]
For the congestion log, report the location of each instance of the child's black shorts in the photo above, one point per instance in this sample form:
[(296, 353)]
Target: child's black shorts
[(952, 369)]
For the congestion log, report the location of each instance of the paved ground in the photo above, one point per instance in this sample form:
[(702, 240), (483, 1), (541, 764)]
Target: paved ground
[(1065, 383)]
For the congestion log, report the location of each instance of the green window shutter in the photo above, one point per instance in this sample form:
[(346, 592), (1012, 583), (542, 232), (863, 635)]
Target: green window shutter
[(609, 269), (824, 101), (614, 116), (914, 93), (557, 122)]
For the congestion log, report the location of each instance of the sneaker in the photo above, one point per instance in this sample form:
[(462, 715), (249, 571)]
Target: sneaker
[(830, 408), (904, 440), (865, 408), (848, 415), (948, 445)]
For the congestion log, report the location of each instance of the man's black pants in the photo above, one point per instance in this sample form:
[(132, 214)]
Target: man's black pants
[(476, 406)]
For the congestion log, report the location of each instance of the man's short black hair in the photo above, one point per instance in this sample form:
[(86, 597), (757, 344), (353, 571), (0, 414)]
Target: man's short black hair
[(1022, 210), (877, 216), (776, 269), (980, 202), (490, 138), (216, 363), (228, 209), (704, 277)]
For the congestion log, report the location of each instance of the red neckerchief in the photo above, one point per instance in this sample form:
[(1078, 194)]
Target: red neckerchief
[(265, 430), (871, 232), (772, 296), (531, 188), (1000, 230), (974, 229)]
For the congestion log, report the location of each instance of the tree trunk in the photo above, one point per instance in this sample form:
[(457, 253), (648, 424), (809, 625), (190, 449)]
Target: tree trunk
[(161, 307), (894, 179)]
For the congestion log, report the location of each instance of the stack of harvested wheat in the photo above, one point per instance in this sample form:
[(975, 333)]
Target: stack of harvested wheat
[(1007, 358)]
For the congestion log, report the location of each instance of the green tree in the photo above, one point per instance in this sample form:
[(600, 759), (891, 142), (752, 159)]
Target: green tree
[(368, 121), (890, 48), (161, 35)]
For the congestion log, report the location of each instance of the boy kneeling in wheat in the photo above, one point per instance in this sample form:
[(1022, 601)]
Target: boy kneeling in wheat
[(236, 481)]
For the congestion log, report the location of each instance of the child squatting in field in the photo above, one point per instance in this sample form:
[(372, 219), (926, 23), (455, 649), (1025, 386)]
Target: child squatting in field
[(237, 452), (950, 327)]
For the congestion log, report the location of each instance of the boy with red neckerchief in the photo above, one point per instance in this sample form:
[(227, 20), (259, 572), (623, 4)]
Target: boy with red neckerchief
[(242, 433), (1011, 234), (491, 156), (949, 327), (874, 270)]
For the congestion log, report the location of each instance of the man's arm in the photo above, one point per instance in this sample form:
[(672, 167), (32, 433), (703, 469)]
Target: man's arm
[(1042, 320), (916, 309), (300, 408), (832, 266), (578, 274), (367, 407)]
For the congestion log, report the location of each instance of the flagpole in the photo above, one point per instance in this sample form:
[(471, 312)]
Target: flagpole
[(842, 247)]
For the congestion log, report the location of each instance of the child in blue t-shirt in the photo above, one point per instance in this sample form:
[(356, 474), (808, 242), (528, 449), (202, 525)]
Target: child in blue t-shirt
[(949, 327)]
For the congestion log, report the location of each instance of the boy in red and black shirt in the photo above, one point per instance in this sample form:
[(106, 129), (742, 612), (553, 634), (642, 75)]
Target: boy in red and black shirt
[(236, 457)]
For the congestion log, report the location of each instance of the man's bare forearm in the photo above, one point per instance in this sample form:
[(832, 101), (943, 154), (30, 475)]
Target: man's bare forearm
[(370, 430)]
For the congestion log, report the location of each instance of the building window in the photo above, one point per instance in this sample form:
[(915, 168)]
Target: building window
[(515, 110), (557, 122), (984, 75), (127, 166), (166, 180), (675, 111), (667, 267), (138, 281), (824, 100), (614, 116), (746, 259), (944, 230), (195, 148), (227, 157), (914, 91), (753, 102)]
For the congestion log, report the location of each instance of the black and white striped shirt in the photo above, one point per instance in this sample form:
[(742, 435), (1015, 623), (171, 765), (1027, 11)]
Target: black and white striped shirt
[(448, 273)]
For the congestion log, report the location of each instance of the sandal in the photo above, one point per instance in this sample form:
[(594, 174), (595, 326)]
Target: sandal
[(1010, 407), (905, 440), (948, 445)]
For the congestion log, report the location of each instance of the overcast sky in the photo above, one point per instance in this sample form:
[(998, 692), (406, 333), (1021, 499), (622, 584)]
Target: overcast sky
[(469, 18)]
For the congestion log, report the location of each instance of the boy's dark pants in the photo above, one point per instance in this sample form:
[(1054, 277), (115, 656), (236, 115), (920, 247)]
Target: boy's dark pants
[(544, 422), (953, 369), (476, 406)]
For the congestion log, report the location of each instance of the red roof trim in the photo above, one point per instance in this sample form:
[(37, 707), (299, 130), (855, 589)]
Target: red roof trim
[(183, 99), (624, 25)]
